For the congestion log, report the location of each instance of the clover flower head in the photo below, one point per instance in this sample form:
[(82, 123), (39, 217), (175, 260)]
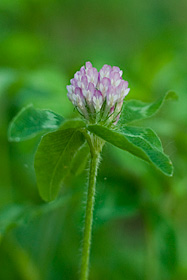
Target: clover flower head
[(98, 96)]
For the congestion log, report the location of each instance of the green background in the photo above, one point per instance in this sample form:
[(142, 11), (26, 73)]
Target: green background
[(140, 218)]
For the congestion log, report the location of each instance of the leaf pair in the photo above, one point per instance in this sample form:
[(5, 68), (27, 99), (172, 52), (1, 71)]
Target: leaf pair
[(65, 150), (30, 121)]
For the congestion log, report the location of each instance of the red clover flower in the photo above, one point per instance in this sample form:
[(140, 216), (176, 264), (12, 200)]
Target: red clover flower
[(98, 96)]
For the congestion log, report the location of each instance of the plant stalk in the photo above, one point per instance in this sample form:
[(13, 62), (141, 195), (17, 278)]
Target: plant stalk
[(89, 216)]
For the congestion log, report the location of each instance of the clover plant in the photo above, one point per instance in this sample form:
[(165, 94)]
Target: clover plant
[(68, 144)]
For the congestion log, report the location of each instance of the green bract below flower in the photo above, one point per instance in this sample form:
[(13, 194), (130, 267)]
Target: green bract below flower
[(98, 96)]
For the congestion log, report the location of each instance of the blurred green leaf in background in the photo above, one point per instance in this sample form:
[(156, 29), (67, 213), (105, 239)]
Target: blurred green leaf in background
[(140, 219)]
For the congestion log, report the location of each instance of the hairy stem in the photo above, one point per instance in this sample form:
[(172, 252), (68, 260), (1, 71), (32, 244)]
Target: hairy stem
[(89, 216)]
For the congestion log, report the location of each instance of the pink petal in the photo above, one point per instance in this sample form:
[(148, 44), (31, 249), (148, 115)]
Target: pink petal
[(88, 65), (91, 88), (78, 91), (84, 81)]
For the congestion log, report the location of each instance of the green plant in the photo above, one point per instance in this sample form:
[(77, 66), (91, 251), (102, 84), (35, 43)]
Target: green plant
[(68, 144)]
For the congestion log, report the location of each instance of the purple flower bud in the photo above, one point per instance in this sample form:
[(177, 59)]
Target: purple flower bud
[(84, 82), (90, 92), (105, 86), (88, 65), (103, 92), (97, 100), (105, 71)]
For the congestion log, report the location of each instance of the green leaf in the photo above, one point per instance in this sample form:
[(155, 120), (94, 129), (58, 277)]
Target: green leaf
[(30, 121), (53, 160), (80, 159), (72, 123), (135, 110), (141, 142)]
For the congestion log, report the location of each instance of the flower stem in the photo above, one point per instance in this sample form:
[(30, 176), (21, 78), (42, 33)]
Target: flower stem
[(89, 216)]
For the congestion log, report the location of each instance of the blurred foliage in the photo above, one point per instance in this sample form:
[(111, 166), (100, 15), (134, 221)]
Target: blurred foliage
[(140, 223)]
